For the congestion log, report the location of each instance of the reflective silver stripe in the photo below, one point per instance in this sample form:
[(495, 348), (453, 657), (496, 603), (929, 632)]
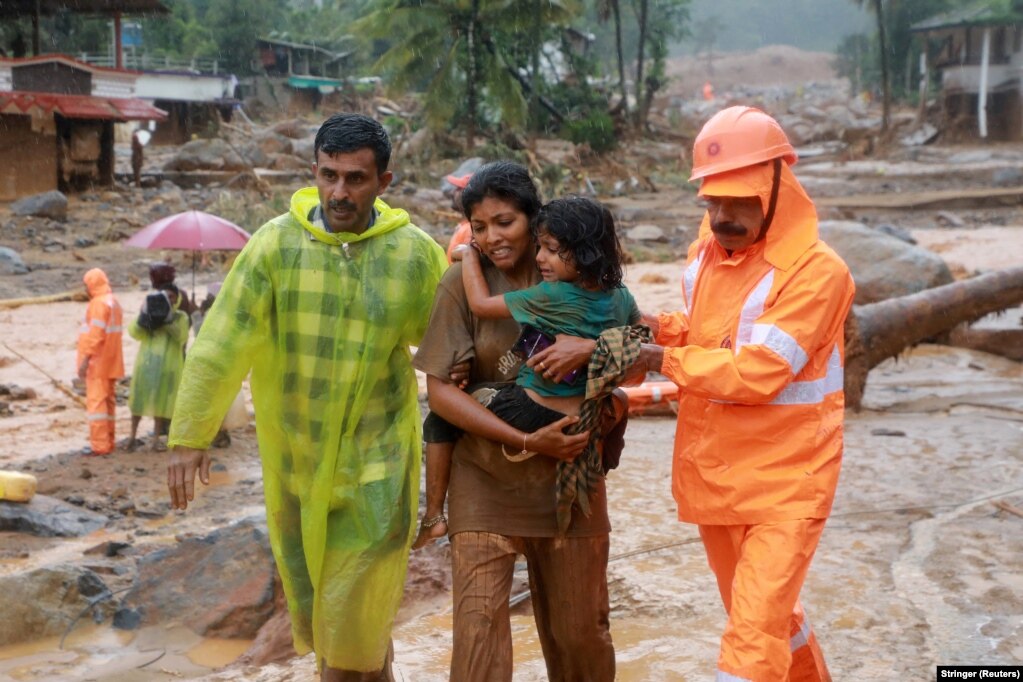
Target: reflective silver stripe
[(100, 417), (781, 343), (751, 310), (814, 392), (83, 328), (99, 323), (114, 328), (689, 281), (722, 676), (802, 637)]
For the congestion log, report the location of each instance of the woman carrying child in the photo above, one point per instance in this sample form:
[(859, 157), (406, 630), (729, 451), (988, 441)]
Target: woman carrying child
[(499, 508)]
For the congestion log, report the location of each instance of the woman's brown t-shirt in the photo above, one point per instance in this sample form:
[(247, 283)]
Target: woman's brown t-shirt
[(487, 492)]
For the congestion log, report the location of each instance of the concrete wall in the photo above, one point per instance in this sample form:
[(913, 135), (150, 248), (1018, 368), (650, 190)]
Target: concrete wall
[(113, 85), (183, 87), (28, 159)]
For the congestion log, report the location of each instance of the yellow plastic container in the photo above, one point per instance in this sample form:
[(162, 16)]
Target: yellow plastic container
[(16, 486)]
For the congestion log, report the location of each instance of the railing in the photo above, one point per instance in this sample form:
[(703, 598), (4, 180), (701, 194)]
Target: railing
[(148, 62)]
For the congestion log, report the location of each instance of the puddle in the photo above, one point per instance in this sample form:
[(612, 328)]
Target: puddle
[(101, 653)]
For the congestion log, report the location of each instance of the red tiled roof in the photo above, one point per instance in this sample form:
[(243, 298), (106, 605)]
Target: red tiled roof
[(80, 106)]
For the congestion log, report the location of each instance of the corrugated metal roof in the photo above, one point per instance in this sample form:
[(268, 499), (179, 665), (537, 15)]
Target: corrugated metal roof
[(80, 106), (977, 13), (49, 58)]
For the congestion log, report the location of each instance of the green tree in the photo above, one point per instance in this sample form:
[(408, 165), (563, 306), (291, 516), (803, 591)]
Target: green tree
[(458, 51), (236, 24), (877, 7), (611, 9), (660, 23)]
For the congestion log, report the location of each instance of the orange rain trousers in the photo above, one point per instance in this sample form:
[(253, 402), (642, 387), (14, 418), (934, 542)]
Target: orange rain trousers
[(760, 570), (99, 406)]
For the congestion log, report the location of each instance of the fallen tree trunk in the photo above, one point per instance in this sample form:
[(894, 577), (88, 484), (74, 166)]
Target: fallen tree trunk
[(72, 295), (882, 330)]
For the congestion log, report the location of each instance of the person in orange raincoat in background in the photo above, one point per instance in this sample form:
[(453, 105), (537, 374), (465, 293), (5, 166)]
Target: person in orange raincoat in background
[(100, 359), (463, 232), (758, 353)]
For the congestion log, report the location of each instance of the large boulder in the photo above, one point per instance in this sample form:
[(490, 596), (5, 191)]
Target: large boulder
[(52, 204), (215, 154), (303, 148), (883, 266), (45, 602), (220, 585), (49, 517), (11, 263)]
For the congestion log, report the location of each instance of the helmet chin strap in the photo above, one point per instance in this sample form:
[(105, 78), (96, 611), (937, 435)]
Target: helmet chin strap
[(774, 185), (772, 204)]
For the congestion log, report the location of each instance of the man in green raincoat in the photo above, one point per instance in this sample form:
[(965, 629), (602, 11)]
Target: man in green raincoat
[(322, 305)]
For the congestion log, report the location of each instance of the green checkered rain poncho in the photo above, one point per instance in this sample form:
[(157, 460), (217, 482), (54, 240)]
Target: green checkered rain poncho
[(324, 321), (158, 364)]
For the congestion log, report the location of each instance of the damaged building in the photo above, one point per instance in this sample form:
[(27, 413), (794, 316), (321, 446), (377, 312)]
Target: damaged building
[(977, 49), (57, 119)]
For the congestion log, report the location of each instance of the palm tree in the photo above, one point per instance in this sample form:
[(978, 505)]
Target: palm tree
[(449, 49), (877, 6), (612, 9)]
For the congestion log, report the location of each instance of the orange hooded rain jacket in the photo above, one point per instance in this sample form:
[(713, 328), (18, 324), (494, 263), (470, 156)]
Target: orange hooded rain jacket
[(100, 334), (758, 355)]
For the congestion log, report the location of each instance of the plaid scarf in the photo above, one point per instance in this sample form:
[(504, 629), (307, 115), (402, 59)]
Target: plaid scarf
[(617, 349)]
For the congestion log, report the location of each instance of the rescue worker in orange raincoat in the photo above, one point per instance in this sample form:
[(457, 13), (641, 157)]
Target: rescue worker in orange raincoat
[(757, 352), (100, 360)]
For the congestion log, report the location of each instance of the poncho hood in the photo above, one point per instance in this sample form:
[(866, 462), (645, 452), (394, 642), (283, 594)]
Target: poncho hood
[(96, 282), (305, 200)]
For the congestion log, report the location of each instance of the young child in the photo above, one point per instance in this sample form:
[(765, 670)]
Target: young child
[(580, 260)]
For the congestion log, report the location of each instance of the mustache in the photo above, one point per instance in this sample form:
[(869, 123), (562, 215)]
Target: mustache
[(340, 205), (728, 229)]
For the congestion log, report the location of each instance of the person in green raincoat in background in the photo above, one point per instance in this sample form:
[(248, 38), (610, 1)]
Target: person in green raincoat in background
[(322, 305), (157, 371)]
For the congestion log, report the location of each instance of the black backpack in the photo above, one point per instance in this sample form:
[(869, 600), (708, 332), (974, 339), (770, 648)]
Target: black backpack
[(156, 311)]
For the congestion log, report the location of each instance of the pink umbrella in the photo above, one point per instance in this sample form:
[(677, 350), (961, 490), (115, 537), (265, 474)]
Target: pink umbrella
[(191, 231)]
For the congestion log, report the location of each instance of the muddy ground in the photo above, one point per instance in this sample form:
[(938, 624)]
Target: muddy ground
[(918, 565)]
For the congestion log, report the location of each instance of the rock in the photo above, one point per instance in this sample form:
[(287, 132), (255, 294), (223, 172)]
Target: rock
[(274, 642), (48, 517), (221, 585), (84, 242), (21, 393), (47, 601), (897, 232), (288, 162), (925, 134), (950, 219), (212, 154), (882, 266), (110, 548), (127, 619), (971, 156), (646, 233), (419, 140), (255, 155), (303, 148), (1007, 177), (296, 128), (271, 144), (11, 263), (52, 204)]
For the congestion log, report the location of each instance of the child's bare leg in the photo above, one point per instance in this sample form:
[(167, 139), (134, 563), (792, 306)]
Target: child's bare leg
[(438, 469)]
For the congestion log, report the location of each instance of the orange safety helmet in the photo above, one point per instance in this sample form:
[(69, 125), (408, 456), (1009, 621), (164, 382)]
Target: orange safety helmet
[(737, 137)]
